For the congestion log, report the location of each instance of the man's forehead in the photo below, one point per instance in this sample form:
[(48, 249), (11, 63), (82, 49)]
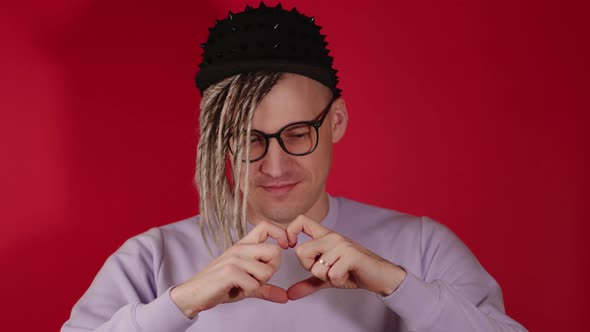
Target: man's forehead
[(296, 90), (294, 98)]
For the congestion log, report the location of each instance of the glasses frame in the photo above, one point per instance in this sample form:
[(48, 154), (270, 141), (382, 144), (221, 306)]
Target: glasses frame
[(277, 135)]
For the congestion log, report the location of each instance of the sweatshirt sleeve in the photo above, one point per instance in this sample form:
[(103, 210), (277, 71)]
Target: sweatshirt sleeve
[(123, 295), (454, 292)]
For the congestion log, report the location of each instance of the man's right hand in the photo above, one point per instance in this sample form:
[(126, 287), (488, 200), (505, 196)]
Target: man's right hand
[(241, 271)]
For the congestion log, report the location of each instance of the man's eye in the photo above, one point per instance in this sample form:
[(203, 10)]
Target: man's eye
[(299, 133), (255, 140)]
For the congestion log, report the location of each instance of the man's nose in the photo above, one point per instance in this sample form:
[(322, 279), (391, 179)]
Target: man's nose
[(274, 162)]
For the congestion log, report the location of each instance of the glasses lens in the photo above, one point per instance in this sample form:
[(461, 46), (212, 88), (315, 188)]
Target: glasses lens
[(257, 146), (299, 138)]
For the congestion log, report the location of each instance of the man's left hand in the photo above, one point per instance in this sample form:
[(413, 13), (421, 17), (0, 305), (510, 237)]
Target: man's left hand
[(337, 261)]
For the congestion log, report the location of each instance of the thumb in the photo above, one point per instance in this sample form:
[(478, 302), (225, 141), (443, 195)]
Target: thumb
[(272, 293), (306, 287)]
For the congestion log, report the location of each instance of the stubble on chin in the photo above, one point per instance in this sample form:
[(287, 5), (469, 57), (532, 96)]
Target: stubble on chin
[(275, 212), (281, 211)]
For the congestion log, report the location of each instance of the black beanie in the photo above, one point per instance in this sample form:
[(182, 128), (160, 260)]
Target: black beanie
[(266, 39)]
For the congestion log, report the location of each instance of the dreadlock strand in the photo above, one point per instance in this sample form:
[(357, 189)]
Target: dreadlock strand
[(205, 154), (220, 180), (227, 110)]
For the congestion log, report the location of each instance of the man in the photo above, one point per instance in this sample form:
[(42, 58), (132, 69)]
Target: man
[(274, 250)]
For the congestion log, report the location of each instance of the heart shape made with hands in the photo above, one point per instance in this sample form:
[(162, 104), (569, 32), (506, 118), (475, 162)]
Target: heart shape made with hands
[(333, 260)]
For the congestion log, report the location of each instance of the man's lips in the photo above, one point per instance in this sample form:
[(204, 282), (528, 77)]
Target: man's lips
[(279, 188)]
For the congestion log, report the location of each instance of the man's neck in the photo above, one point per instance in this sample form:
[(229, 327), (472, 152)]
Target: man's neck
[(317, 212)]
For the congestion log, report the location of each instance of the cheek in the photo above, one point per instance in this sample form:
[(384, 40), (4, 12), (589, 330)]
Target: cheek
[(243, 174), (251, 173), (318, 163)]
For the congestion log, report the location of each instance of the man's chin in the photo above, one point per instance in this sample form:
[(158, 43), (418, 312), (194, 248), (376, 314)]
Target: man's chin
[(280, 217), (281, 206), (282, 212)]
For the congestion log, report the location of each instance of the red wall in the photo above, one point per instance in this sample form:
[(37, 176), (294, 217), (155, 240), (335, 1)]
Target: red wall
[(471, 112)]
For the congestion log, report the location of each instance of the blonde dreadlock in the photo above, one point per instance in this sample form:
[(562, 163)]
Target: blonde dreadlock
[(227, 108)]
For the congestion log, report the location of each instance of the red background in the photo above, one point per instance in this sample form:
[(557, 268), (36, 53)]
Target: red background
[(473, 113)]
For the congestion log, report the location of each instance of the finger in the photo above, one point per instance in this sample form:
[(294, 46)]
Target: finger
[(323, 265), (244, 285), (272, 293), (292, 239), (263, 231), (308, 252), (307, 226), (306, 287), (320, 270), (260, 271), (339, 274), (265, 252), (247, 286)]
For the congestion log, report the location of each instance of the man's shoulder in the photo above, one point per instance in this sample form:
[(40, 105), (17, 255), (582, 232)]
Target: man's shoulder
[(360, 217), (154, 239), (383, 222), (188, 225), (370, 214), (350, 208)]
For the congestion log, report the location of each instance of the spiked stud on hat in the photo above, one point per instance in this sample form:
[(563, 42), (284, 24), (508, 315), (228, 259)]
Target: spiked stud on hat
[(266, 39)]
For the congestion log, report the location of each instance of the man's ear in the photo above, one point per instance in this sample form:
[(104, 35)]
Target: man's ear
[(339, 119)]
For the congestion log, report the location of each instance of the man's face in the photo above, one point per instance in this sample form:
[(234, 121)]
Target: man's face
[(283, 186)]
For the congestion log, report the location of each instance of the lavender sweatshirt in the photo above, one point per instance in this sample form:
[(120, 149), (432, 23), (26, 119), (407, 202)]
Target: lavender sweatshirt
[(446, 289)]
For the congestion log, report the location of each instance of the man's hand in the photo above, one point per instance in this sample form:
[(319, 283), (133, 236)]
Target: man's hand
[(242, 271), (336, 261)]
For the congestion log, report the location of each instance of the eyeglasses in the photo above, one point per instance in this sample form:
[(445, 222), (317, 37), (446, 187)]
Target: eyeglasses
[(297, 138)]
